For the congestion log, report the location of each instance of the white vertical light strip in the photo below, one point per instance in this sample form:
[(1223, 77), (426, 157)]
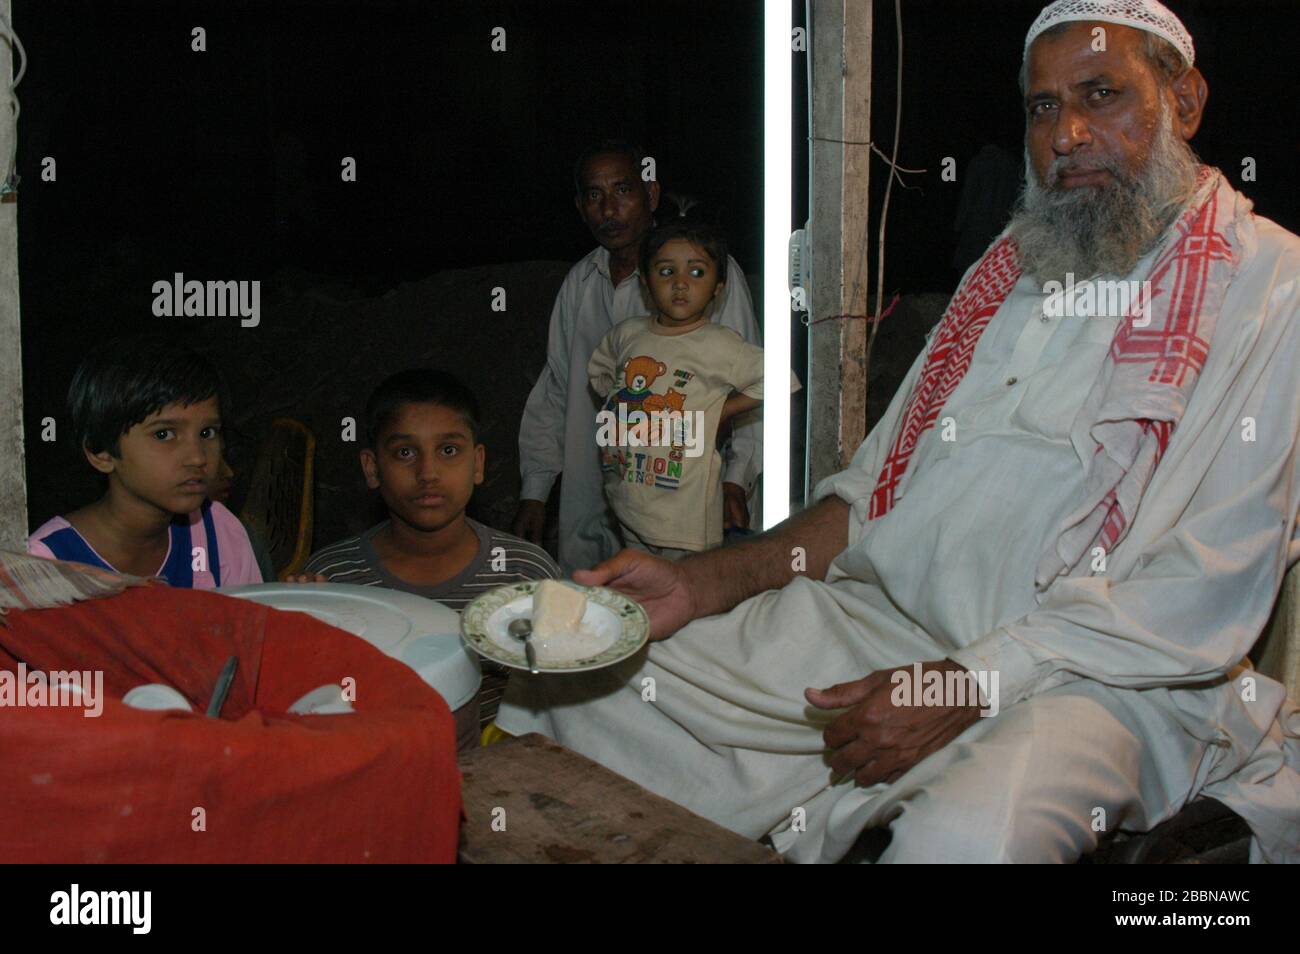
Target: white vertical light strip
[(778, 21)]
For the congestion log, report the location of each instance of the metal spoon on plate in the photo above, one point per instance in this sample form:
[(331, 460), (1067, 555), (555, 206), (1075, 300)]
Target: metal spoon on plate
[(521, 629)]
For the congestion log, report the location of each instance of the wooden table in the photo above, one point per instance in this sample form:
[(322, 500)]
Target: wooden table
[(529, 800)]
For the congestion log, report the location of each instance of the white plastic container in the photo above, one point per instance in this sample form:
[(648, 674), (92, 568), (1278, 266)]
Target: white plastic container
[(421, 633)]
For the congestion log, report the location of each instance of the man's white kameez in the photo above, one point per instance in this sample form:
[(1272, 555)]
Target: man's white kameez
[(1110, 682), (558, 430)]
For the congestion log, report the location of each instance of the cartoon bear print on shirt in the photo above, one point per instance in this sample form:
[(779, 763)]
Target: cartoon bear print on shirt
[(670, 400), (641, 405), (639, 374)]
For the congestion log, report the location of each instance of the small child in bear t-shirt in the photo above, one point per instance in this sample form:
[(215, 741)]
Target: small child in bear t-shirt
[(671, 380)]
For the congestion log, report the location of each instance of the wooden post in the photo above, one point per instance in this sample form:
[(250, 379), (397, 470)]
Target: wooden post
[(13, 478), (854, 197), (841, 119)]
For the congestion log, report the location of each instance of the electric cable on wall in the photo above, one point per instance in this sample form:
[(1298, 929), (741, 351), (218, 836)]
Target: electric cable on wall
[(10, 184)]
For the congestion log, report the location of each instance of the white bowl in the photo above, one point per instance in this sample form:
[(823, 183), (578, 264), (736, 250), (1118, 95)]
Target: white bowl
[(420, 632), (155, 695)]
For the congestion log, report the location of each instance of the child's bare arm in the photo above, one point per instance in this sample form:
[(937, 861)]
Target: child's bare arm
[(737, 404)]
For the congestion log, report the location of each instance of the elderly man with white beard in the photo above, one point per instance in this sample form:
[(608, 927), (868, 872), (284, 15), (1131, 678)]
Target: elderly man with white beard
[(1086, 515)]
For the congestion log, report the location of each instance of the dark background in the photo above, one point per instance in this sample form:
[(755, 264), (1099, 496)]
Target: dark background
[(226, 165), (961, 62)]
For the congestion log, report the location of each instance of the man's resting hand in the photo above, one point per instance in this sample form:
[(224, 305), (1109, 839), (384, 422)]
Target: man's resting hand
[(659, 585), (530, 520), (876, 740)]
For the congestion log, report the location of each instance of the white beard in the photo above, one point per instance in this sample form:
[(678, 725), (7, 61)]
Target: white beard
[(1104, 230)]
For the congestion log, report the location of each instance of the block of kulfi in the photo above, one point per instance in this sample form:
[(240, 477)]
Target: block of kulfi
[(557, 609)]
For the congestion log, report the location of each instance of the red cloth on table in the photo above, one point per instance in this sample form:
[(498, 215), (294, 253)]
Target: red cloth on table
[(378, 785)]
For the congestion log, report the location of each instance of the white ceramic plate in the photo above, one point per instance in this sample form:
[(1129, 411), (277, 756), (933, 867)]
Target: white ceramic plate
[(420, 632), (620, 627)]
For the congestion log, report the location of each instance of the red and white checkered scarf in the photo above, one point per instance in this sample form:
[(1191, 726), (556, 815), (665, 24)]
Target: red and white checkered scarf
[(1145, 381)]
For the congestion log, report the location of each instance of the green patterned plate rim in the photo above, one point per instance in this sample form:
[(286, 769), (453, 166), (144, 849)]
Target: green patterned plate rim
[(474, 630)]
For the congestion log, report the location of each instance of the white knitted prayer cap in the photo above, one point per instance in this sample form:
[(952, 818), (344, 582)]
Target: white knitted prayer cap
[(1145, 15)]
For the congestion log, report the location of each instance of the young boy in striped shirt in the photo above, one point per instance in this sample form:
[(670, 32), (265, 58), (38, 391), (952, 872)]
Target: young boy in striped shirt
[(424, 457)]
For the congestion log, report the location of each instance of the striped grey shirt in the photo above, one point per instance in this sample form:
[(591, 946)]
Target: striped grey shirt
[(501, 559)]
